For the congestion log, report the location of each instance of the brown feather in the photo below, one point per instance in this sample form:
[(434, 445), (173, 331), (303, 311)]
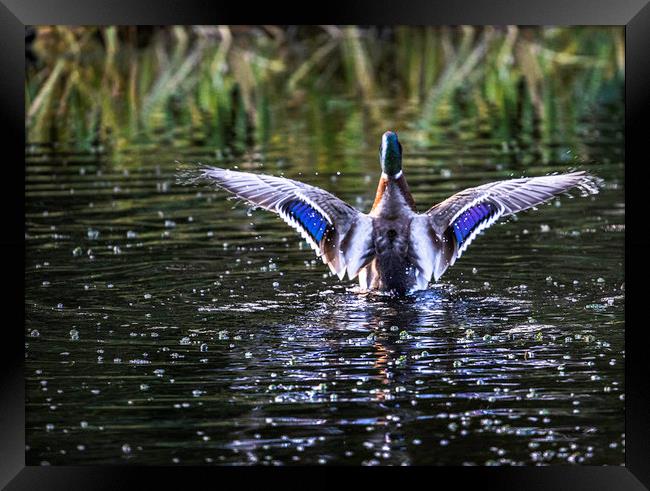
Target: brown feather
[(402, 185), (381, 188)]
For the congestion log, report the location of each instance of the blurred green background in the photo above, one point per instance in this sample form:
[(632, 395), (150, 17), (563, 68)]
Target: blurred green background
[(231, 86)]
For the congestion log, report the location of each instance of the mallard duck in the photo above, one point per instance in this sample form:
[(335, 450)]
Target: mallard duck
[(393, 247)]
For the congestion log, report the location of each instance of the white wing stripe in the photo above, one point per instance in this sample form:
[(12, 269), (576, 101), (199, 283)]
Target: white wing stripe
[(482, 226)]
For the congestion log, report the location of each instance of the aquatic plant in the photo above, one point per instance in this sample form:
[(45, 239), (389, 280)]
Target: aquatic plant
[(123, 85)]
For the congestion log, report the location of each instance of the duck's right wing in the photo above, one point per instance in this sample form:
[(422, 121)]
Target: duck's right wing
[(447, 229), (340, 234)]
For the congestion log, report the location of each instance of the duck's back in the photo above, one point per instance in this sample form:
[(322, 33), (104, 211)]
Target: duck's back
[(392, 267)]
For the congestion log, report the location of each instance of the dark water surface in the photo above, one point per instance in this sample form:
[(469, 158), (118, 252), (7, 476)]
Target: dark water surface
[(166, 324)]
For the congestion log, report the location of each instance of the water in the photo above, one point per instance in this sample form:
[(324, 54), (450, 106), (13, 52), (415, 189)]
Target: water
[(169, 325)]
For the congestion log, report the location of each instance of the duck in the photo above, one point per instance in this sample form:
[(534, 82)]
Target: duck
[(394, 247)]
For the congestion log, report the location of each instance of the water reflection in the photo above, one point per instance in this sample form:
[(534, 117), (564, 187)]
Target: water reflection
[(206, 334), (378, 376)]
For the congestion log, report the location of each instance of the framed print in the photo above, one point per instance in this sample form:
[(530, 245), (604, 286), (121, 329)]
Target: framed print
[(381, 235)]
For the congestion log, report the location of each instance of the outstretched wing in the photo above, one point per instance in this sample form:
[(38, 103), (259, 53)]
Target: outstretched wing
[(339, 233), (447, 229)]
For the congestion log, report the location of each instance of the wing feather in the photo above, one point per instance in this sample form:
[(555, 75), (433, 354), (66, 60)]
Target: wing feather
[(338, 233), (458, 220)]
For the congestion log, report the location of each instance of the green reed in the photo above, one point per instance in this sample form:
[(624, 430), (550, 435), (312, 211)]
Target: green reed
[(125, 85)]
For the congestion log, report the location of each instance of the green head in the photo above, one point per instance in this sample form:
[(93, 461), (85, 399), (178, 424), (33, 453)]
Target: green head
[(390, 154)]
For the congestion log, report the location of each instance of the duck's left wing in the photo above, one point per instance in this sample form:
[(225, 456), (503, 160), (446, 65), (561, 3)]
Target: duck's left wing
[(446, 230), (339, 233)]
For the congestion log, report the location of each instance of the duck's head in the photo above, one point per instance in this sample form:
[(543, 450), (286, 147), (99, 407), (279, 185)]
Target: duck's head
[(390, 155)]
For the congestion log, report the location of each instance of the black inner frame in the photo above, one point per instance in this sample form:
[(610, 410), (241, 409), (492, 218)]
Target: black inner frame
[(16, 14)]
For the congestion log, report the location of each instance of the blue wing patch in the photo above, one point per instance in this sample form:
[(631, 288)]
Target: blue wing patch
[(470, 219), (309, 218)]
